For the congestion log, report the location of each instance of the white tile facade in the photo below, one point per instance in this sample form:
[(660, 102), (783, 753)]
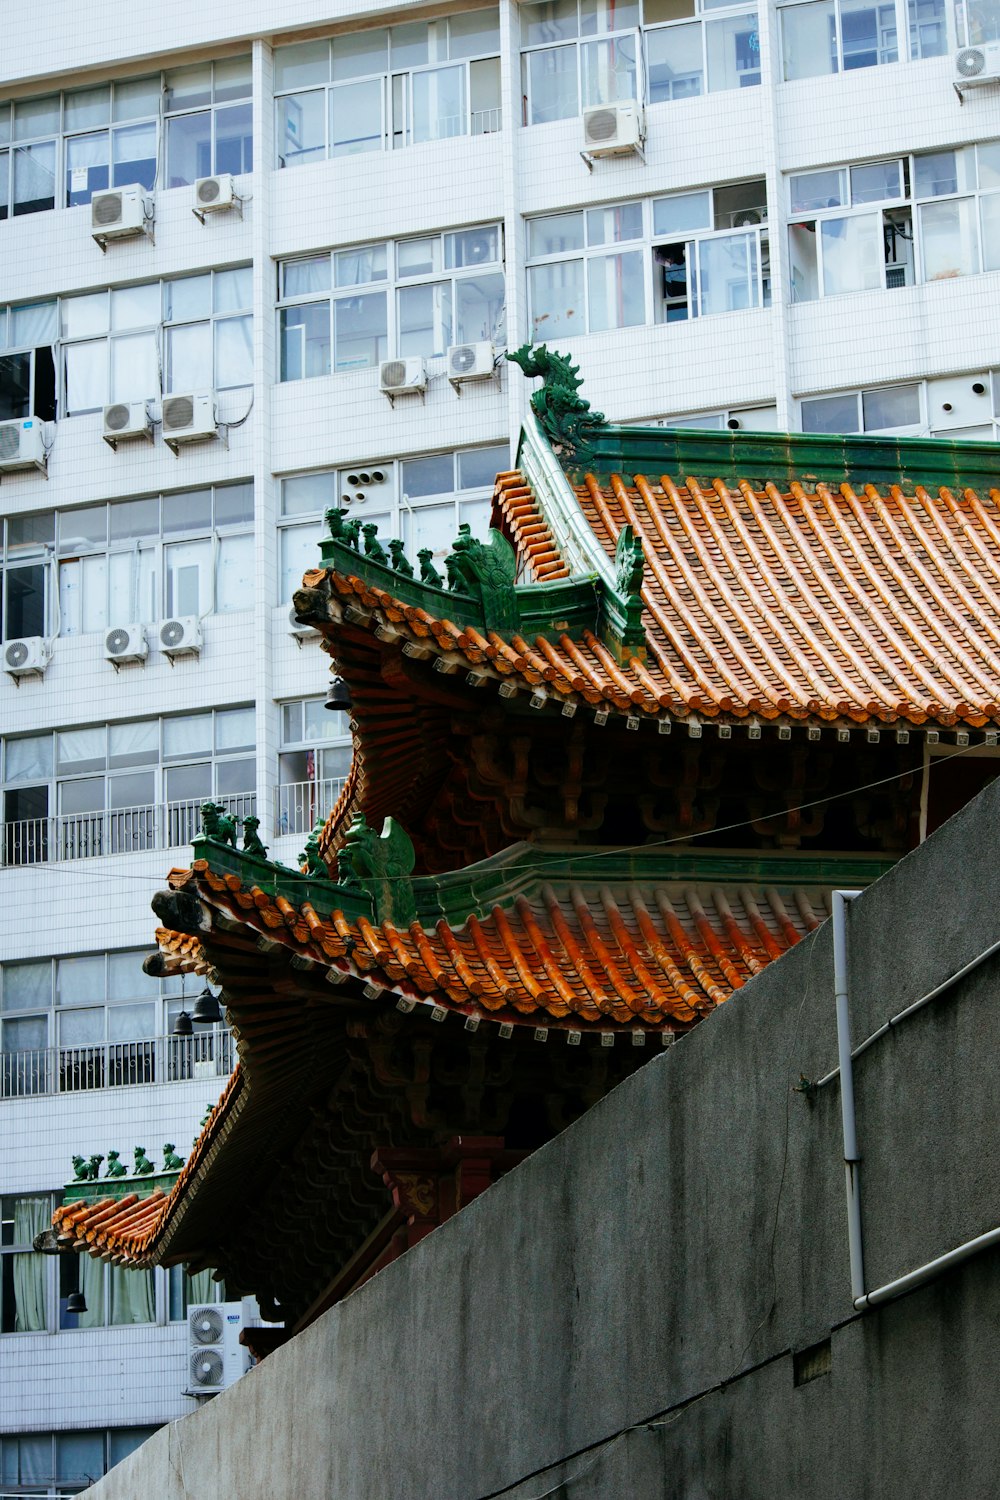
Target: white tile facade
[(768, 356)]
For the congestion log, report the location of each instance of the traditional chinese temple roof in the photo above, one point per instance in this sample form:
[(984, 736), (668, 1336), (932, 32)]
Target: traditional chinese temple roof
[(604, 772)]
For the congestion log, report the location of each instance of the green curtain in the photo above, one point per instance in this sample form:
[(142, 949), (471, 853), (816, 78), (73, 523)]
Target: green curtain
[(132, 1296), (92, 1287), (31, 1216), (200, 1289)]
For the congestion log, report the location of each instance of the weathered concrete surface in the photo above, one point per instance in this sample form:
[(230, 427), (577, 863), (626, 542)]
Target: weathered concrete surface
[(680, 1242)]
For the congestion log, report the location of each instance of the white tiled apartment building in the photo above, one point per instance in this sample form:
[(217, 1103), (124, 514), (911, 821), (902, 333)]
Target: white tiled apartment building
[(809, 238)]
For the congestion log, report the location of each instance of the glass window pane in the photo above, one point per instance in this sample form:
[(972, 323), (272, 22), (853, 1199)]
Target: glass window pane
[(127, 1023), (87, 108), (549, 21), (189, 357), (235, 729), (301, 128), (983, 22), (897, 406), (434, 475), (875, 183), (474, 33), (990, 210), (949, 239), (27, 986), (300, 278), (189, 510), (137, 789), (134, 518), (189, 578), (233, 290), (134, 744), (307, 494), (232, 78), (28, 1035), (86, 167), (432, 526), (555, 234), (418, 257), (28, 759), (556, 298), (86, 376), (186, 88), (484, 95), (830, 414), (233, 777), (135, 367), (360, 331), (302, 63), (727, 274), (550, 84), (189, 735), (234, 139), (935, 174), (814, 190), (609, 70), (234, 505), (802, 262), (234, 574), (609, 226), (136, 98), (439, 107), (84, 315), (33, 324), (321, 724), (409, 45), (299, 552), (360, 53), (479, 306), (733, 47), (81, 981), (4, 124), (124, 1440), (478, 467), (988, 156), (136, 306), (189, 148), (928, 28), (34, 179), (852, 254), (81, 749), (809, 39), (80, 1456), (674, 61), (186, 783), (305, 341), (868, 33), (15, 385), (233, 352), (187, 298), (616, 291), (357, 267), (682, 212), (83, 529), (36, 117), (356, 118), (424, 319)]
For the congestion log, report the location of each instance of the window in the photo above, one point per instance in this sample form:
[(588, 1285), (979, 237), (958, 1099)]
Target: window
[(69, 1025), (977, 21), (184, 1292), (23, 1283), (118, 788), (209, 120), (313, 763), (577, 53), (749, 418), (43, 1463), (423, 501), (666, 260), (891, 224), (834, 36), (885, 409), (388, 87), (353, 308), (196, 330), (73, 572), (27, 368), (966, 407)]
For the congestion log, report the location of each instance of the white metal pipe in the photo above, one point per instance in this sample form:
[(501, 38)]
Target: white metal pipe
[(852, 1159), (927, 1272)]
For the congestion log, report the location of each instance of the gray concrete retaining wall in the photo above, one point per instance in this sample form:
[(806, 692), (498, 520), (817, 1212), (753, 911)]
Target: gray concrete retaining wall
[(649, 1277)]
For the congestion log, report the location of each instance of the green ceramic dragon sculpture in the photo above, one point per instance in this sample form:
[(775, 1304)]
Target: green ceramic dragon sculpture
[(566, 417)]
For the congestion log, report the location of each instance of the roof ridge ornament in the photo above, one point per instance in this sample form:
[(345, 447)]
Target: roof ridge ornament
[(380, 864), (621, 616), (566, 417)]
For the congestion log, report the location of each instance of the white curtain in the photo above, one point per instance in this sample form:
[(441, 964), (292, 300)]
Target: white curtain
[(132, 1299), (31, 1216), (92, 1287)]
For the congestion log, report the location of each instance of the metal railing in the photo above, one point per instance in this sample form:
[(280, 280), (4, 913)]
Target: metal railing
[(486, 121), (116, 830), (299, 804), (109, 1065)]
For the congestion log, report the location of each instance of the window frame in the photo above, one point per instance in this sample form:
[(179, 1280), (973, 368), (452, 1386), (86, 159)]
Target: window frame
[(906, 32)]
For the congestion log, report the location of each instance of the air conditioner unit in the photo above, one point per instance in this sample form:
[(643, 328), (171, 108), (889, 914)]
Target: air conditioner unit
[(745, 218), (216, 1358), (180, 637), (402, 377), (126, 643), (297, 629), (189, 419), (213, 195), (471, 362), (120, 213), (613, 129), (26, 658), (124, 420), (975, 66), (21, 445)]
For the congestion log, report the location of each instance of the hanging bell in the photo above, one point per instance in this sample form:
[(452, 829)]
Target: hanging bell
[(206, 1009), (76, 1302), (338, 695), (182, 1026)]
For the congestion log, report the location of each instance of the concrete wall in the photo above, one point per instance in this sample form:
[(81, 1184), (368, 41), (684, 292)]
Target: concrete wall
[(662, 1261)]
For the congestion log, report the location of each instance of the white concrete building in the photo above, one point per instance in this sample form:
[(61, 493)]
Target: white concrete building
[(809, 237)]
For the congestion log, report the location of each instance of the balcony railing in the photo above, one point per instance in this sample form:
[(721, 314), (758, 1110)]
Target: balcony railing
[(298, 805), (109, 1065), (117, 830), (486, 121)]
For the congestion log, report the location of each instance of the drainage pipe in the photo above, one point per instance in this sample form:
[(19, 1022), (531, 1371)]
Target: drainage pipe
[(852, 1157)]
